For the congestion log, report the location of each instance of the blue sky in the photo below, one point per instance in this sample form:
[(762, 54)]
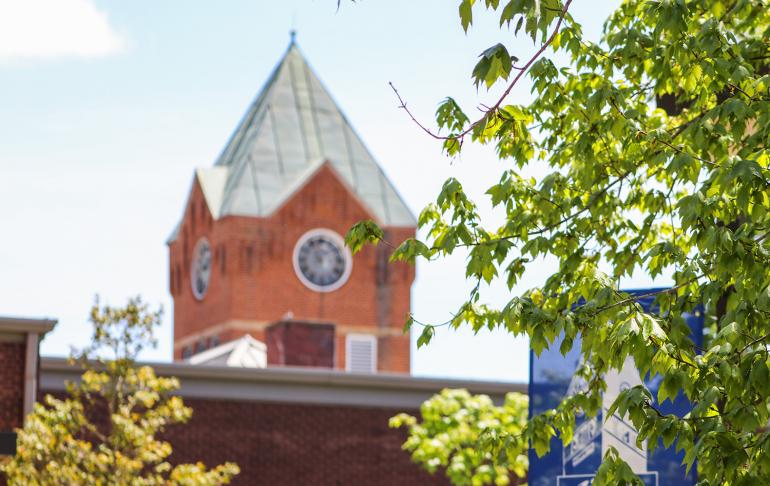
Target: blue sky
[(108, 106)]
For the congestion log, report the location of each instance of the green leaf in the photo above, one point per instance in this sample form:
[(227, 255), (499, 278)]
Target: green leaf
[(466, 13), (361, 233), (519, 23), (409, 250), (671, 385), (450, 116), (408, 324), (494, 63), (425, 336)]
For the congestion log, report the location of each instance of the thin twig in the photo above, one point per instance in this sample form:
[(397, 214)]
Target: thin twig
[(523, 69), (634, 298)]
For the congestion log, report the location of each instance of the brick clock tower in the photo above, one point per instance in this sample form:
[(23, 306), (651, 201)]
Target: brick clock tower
[(259, 249)]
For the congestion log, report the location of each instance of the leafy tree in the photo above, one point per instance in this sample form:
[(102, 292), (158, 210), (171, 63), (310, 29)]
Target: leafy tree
[(475, 440), (653, 150), (106, 430)]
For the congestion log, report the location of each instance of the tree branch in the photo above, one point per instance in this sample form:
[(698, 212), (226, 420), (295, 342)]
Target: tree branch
[(521, 71)]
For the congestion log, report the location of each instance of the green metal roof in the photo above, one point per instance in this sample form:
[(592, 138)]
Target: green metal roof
[(291, 128)]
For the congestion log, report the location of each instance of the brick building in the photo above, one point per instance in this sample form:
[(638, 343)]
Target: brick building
[(288, 348), (260, 241), (297, 426), (281, 425), (19, 373)]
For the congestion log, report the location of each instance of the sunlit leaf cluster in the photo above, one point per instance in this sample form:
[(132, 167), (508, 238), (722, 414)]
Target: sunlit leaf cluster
[(651, 154), (107, 429), (474, 440)]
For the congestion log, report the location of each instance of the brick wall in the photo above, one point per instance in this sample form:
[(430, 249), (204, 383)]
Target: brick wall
[(298, 444), (282, 444), (253, 283), (286, 442), (11, 384)]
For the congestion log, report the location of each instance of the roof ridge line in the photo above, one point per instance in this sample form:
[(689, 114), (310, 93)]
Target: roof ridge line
[(261, 94)]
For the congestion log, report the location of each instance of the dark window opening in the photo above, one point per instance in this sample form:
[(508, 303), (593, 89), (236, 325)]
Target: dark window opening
[(201, 346), (213, 342), (185, 252), (247, 258)]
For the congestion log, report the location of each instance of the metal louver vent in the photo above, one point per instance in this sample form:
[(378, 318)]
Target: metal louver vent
[(361, 353)]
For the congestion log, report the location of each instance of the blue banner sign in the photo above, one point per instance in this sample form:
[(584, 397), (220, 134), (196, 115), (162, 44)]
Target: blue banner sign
[(551, 379)]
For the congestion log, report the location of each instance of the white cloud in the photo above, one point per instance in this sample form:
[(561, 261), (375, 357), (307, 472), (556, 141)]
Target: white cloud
[(49, 29)]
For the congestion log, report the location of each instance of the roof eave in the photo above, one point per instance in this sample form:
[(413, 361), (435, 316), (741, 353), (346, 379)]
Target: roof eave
[(26, 325), (294, 384)]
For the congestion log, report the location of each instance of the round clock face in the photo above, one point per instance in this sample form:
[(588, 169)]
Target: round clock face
[(200, 271), (321, 260)]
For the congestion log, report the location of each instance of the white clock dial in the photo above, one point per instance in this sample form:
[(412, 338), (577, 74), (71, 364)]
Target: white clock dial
[(200, 271), (321, 260)]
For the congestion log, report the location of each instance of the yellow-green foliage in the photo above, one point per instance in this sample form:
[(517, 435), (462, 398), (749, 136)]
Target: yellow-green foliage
[(475, 440), (105, 432)]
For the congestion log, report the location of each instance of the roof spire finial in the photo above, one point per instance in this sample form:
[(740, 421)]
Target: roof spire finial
[(293, 36)]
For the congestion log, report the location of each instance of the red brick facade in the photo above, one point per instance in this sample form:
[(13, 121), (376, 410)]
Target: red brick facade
[(11, 384), (253, 283), (290, 444), (296, 426), (298, 444)]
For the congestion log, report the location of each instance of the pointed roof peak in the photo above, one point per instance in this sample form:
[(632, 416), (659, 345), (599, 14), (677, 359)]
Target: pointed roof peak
[(292, 37), (293, 123)]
